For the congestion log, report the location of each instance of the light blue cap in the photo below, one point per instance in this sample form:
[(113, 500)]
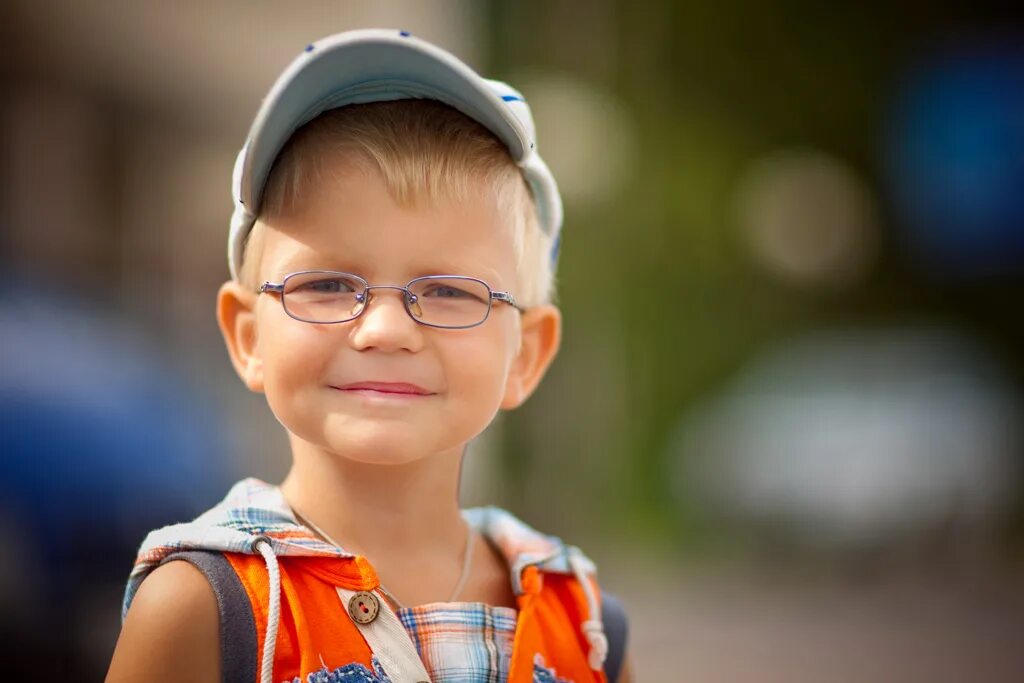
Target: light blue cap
[(374, 65)]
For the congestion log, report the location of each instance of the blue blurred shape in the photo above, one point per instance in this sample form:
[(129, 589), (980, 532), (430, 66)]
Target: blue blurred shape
[(955, 160), (102, 439)]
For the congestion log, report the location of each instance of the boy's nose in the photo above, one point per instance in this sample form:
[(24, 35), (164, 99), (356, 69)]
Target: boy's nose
[(385, 324)]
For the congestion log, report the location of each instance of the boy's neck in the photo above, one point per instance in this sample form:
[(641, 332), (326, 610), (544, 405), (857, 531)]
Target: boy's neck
[(383, 512)]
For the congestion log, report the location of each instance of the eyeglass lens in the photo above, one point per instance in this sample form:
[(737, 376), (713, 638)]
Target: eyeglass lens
[(329, 297)]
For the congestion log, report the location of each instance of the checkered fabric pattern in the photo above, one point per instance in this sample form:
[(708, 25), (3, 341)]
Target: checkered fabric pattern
[(462, 642)]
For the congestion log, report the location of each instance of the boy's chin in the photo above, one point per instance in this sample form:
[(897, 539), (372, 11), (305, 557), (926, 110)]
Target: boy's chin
[(376, 442), (382, 448), (380, 455)]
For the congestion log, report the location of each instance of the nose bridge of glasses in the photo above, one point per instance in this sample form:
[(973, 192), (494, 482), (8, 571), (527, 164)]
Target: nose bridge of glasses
[(409, 300), (398, 287)]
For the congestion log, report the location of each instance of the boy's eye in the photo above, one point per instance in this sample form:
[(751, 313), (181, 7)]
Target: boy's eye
[(332, 285), (451, 291), (446, 292)]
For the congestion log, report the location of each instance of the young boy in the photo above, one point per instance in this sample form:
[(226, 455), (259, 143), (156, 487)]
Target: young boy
[(392, 254)]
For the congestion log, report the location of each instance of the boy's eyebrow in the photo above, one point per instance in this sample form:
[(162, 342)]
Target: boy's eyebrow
[(302, 261), (309, 259), (314, 261), (488, 275)]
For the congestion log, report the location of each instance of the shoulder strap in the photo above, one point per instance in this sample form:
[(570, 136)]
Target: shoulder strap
[(237, 624), (616, 628)]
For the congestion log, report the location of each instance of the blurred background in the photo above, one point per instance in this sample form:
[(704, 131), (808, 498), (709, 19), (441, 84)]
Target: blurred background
[(790, 391)]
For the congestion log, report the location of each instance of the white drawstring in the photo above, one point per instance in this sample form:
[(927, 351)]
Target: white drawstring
[(593, 627), (262, 544)]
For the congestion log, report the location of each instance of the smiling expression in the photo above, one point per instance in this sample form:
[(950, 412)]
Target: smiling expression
[(383, 388)]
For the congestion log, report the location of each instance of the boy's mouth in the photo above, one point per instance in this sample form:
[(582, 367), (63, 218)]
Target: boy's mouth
[(401, 388)]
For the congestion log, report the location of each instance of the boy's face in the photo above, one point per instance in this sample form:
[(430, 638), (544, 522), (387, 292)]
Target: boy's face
[(350, 223)]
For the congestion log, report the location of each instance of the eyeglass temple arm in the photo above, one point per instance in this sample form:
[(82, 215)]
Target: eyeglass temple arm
[(507, 298), (270, 287)]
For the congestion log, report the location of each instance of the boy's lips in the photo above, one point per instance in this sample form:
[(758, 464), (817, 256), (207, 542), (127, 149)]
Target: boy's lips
[(387, 388)]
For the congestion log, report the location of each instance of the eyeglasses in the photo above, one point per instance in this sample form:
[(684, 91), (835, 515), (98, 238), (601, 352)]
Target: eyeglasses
[(447, 301)]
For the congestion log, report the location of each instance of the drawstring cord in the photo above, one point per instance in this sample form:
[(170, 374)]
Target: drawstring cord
[(593, 627), (262, 544)]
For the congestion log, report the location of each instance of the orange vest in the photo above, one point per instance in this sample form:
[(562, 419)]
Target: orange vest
[(315, 629)]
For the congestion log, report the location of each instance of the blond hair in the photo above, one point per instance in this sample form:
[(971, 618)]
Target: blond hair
[(424, 150)]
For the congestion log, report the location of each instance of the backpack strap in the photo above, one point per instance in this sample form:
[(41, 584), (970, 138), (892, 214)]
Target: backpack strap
[(237, 624), (616, 628)]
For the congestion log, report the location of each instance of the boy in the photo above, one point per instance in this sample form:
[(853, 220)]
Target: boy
[(391, 255)]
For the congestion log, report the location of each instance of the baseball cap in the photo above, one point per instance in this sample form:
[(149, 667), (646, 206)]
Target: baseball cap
[(375, 65)]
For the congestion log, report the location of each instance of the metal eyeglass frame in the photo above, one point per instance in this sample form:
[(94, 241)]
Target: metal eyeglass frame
[(407, 300)]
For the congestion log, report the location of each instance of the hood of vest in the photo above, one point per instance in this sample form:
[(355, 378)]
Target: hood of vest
[(254, 513)]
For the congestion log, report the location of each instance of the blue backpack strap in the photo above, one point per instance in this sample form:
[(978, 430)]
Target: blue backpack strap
[(237, 624), (616, 628)]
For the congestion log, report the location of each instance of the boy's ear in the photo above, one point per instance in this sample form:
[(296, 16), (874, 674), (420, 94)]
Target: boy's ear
[(236, 316), (541, 331)]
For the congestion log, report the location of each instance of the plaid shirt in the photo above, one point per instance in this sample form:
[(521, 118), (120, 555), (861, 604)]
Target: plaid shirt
[(462, 641)]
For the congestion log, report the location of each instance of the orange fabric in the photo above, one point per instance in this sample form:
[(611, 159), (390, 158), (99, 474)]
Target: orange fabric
[(314, 623), (550, 612), (315, 629)]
